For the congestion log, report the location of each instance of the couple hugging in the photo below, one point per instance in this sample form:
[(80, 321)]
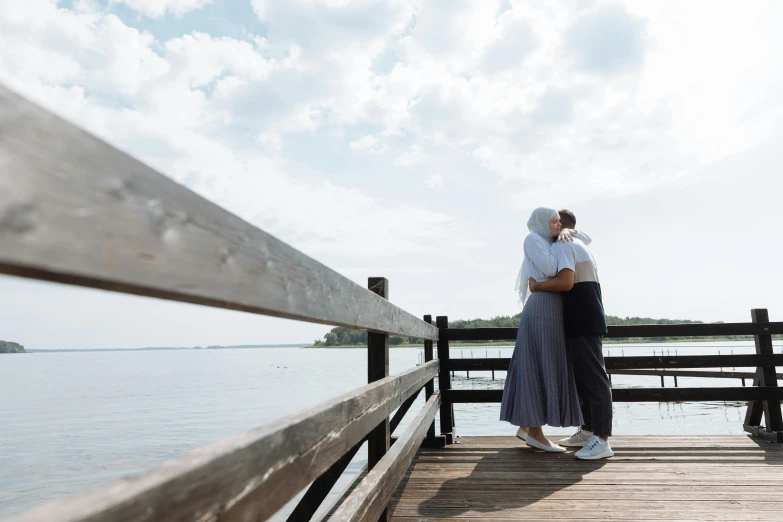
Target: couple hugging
[(557, 375)]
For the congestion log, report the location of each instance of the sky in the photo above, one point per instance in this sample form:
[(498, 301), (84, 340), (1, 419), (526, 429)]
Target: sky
[(411, 139)]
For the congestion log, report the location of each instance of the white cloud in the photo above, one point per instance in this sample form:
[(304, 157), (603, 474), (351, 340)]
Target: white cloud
[(435, 181), (531, 92), (369, 144), (186, 98), (546, 113), (411, 157), (608, 41), (158, 8)]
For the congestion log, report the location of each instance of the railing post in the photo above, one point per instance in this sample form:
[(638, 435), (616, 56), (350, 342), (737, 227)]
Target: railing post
[(766, 375), (444, 381), (431, 440), (429, 389), (378, 441)]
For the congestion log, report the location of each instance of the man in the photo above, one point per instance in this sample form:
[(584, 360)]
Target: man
[(585, 325)]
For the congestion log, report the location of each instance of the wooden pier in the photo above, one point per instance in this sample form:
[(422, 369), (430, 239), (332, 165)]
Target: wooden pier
[(649, 478), (77, 211)]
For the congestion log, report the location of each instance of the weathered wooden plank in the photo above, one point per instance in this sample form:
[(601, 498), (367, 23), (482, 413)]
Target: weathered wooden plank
[(76, 210), (314, 496), (688, 373), (640, 330), (372, 495), (347, 490), (642, 394), (402, 410), (248, 476), (692, 361), (497, 478), (622, 514), (511, 505), (716, 443), (638, 362)]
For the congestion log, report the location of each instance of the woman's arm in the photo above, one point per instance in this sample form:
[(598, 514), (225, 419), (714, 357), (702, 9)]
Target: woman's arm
[(568, 233), (580, 235)]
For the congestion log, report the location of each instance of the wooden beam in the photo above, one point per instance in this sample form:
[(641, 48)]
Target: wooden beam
[(320, 488), (444, 380), (372, 495), (766, 375), (249, 476), (401, 411), (642, 395), (641, 330), (379, 439), (628, 363), (429, 389), (763, 433), (691, 361), (688, 373), (76, 210)]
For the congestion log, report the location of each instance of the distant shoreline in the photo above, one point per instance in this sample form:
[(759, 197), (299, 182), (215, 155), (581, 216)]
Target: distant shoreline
[(511, 343), (170, 348), (356, 346)]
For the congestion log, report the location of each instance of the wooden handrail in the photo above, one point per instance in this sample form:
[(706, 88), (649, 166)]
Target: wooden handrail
[(372, 495), (754, 393), (628, 362), (75, 210), (248, 476), (763, 398), (639, 330)]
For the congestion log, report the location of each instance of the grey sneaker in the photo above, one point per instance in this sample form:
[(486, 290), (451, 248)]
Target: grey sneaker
[(578, 439), (595, 448)]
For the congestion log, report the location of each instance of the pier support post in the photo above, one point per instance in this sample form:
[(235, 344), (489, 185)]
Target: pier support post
[(765, 376), (378, 440), (444, 381), (431, 440)]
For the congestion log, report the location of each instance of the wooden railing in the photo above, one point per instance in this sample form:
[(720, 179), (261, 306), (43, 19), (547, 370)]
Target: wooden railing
[(75, 210), (763, 398)]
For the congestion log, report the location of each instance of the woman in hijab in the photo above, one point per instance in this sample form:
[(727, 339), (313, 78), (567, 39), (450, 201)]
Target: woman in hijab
[(540, 386)]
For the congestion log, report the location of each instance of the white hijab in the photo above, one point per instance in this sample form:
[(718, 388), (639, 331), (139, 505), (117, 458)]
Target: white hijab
[(538, 225)]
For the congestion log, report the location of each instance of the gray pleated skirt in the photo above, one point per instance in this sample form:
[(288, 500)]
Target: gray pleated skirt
[(540, 388)]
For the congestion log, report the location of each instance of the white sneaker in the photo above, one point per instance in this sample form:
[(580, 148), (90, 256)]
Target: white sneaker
[(533, 443), (595, 448), (521, 434), (578, 439)]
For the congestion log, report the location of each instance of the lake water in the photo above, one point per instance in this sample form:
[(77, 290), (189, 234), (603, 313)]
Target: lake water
[(72, 421)]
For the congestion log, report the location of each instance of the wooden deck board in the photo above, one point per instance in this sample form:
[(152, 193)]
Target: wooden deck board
[(649, 478)]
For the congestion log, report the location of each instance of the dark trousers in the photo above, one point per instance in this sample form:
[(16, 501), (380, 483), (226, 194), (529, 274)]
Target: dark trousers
[(592, 383)]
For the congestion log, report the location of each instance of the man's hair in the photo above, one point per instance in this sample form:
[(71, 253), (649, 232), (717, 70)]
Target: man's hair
[(567, 218)]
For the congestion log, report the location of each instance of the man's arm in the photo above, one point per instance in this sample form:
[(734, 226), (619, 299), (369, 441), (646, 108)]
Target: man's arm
[(563, 282)]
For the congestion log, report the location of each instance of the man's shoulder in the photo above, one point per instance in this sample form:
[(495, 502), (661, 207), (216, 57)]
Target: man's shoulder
[(578, 244), (565, 246)]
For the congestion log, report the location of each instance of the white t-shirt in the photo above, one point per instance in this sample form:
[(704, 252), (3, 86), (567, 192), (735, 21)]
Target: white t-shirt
[(577, 257), (583, 309), (545, 256)]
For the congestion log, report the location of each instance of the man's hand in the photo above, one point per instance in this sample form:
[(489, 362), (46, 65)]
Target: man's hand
[(532, 283), (565, 235)]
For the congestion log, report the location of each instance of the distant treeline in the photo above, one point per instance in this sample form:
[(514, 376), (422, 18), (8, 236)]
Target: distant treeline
[(340, 336), (9, 347)]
